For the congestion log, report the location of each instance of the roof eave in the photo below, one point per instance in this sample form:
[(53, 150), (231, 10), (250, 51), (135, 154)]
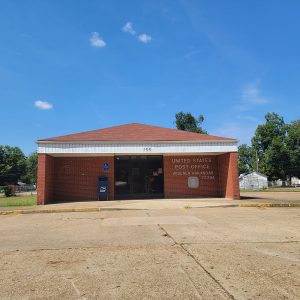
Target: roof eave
[(134, 142)]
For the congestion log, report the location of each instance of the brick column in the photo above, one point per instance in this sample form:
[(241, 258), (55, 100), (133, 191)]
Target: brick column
[(45, 187), (229, 175)]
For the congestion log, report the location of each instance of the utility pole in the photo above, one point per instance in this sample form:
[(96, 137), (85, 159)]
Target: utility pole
[(257, 160)]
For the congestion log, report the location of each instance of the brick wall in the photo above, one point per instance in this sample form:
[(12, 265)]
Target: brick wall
[(45, 187), (76, 178), (177, 170), (217, 175), (229, 175), (72, 178)]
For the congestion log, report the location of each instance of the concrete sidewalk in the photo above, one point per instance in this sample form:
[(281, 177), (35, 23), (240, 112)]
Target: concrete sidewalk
[(90, 206), (153, 204)]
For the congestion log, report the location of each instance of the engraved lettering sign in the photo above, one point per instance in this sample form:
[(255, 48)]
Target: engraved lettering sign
[(197, 166)]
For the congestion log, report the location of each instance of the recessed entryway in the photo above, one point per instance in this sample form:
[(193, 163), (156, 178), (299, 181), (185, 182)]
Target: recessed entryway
[(139, 176)]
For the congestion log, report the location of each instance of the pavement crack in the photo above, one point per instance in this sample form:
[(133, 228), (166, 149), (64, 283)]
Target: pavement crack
[(75, 288), (192, 282), (188, 253)]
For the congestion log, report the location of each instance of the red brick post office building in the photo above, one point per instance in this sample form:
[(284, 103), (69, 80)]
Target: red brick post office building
[(139, 161)]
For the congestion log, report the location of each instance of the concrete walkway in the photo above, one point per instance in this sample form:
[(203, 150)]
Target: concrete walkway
[(248, 199), (251, 200), (127, 205)]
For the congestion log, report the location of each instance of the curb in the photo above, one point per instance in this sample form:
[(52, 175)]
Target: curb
[(47, 211), (97, 209), (269, 204)]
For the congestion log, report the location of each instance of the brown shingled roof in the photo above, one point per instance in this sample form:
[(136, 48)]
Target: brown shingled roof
[(135, 132)]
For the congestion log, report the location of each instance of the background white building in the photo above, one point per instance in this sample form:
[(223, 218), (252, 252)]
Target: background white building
[(253, 181)]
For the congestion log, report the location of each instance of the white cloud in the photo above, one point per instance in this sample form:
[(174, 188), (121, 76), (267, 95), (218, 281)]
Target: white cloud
[(96, 41), (145, 38), (128, 28), (250, 98), (43, 105)]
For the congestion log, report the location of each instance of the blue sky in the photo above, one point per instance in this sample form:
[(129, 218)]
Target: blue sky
[(69, 66)]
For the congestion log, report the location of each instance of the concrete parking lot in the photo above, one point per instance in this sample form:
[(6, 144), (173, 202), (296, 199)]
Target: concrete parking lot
[(167, 253)]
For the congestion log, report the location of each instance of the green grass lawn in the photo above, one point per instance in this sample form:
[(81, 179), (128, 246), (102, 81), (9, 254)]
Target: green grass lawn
[(19, 200)]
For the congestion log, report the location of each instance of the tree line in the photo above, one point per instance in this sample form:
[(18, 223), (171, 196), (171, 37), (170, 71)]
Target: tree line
[(274, 149), (16, 166)]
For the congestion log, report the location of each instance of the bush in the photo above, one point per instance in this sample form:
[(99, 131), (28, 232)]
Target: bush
[(9, 190)]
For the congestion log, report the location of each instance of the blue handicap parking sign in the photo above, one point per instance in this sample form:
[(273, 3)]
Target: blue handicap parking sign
[(105, 167)]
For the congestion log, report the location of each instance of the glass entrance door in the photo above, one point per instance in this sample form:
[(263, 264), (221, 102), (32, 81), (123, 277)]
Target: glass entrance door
[(138, 177)]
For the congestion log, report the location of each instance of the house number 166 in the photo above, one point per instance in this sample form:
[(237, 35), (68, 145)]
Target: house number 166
[(147, 149)]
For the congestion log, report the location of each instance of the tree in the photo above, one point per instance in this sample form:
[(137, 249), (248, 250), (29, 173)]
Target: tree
[(31, 168), (265, 133), (12, 164), (187, 122), (293, 145), (246, 159), (269, 142), (277, 159)]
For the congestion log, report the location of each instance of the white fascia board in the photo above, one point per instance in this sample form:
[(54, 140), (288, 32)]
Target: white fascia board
[(137, 148), (136, 142)]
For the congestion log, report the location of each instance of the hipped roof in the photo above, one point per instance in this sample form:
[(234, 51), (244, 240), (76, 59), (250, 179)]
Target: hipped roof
[(135, 132)]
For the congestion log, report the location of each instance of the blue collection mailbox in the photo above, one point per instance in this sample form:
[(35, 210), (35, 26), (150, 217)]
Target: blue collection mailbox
[(102, 186)]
